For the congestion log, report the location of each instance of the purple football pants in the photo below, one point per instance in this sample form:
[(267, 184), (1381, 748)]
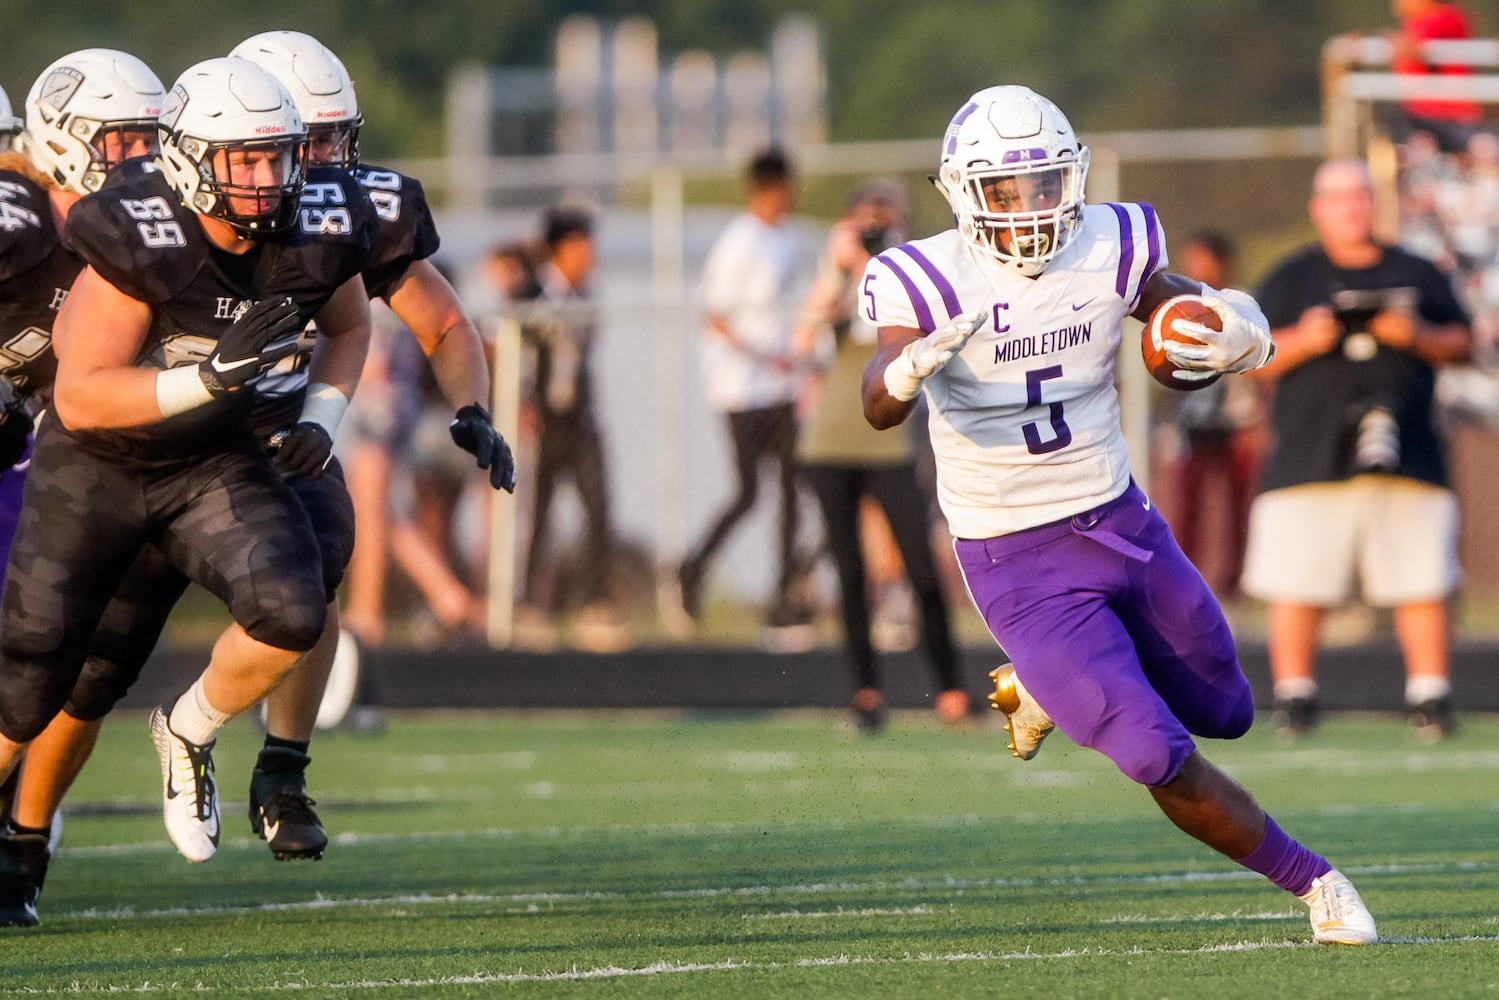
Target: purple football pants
[(1114, 633), (12, 484)]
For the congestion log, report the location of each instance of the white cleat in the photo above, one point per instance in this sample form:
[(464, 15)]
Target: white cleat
[(1025, 721), (190, 800), (1339, 916)]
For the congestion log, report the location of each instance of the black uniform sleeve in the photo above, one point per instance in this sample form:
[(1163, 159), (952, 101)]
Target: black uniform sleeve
[(139, 237), (407, 231)]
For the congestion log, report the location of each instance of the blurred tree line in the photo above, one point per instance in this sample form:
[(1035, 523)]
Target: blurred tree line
[(895, 70)]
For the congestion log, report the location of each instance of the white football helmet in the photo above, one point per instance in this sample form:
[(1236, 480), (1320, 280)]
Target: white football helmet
[(10, 125), (321, 88), (233, 145), (89, 111), (1014, 172)]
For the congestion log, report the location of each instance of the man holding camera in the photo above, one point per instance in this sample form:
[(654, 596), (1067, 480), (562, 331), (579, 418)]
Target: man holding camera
[(1355, 487)]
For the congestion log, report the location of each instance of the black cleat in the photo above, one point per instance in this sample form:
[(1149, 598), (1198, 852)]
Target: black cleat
[(281, 812), (23, 869), (1432, 720), (1295, 716)]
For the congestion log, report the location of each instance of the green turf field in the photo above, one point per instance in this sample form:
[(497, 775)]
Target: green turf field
[(621, 855)]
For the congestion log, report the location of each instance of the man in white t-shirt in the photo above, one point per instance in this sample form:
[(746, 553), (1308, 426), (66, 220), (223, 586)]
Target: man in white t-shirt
[(749, 296)]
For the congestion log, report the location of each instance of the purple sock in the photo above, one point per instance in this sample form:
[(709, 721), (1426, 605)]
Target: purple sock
[(1284, 861)]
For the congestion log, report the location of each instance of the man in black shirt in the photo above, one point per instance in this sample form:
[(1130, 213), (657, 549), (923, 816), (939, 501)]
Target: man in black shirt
[(1355, 485)]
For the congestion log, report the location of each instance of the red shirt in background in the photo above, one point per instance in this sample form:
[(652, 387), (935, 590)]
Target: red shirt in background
[(1444, 21)]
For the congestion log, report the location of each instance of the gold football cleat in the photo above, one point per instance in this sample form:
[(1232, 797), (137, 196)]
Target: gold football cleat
[(1025, 721)]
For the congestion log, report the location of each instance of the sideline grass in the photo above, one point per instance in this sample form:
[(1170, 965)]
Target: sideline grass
[(572, 854)]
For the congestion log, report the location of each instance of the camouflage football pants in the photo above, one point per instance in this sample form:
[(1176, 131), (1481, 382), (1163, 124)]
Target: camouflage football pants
[(224, 520)]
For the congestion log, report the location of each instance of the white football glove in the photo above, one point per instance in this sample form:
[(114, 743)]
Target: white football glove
[(924, 358), (1243, 344)]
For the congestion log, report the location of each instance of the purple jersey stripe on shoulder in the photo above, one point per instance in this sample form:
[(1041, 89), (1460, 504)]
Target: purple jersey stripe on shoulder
[(1153, 246), (944, 287), (918, 301), (1126, 251)]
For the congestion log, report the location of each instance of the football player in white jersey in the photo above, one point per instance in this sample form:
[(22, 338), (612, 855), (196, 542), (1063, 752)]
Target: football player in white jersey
[(1010, 324)]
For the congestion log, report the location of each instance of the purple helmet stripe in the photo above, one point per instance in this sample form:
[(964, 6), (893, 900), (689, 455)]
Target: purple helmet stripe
[(957, 123), (1126, 251), (944, 287), (1153, 242), (918, 301)]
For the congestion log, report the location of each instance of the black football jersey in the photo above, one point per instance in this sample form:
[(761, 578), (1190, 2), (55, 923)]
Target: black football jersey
[(334, 209), (407, 232), (36, 271), (140, 238), (404, 233)]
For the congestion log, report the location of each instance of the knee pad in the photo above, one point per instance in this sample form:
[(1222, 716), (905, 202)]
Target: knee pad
[(1153, 759), (296, 627), (1239, 718), (285, 610), (30, 695), (100, 687)]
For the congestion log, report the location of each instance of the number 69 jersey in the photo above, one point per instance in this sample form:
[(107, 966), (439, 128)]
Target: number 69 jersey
[(1025, 419)]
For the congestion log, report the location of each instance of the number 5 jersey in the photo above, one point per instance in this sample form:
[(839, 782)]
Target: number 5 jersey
[(1025, 419)]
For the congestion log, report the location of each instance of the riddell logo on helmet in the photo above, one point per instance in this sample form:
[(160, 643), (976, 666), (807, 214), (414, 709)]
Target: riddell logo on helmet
[(269, 129), (334, 113)]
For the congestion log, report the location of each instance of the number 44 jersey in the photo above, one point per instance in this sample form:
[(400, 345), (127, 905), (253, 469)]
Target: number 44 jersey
[(1025, 420)]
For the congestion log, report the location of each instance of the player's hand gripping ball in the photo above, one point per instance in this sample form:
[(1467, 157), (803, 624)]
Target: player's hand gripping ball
[(1162, 328)]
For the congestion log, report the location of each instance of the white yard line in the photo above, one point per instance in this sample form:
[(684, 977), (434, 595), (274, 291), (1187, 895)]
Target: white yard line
[(665, 967), (945, 884), (700, 829)]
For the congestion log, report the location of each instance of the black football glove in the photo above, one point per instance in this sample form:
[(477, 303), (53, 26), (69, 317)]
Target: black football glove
[(305, 450), (15, 432), (474, 432), (264, 334)]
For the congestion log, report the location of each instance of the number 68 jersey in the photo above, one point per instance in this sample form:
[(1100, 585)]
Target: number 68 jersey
[(1025, 419)]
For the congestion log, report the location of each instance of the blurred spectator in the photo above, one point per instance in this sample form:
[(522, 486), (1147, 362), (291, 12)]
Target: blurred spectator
[(749, 293), (558, 333), (1356, 485), (405, 488), (505, 277), (1218, 430), (1421, 21), (845, 460)]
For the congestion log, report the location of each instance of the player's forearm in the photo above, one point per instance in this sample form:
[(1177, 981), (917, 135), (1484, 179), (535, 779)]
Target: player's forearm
[(881, 409), (459, 365), (106, 398), (338, 358)]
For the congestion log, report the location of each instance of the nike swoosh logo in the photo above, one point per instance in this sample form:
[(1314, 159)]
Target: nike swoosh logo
[(231, 367), (172, 793), (271, 829), (1147, 503), (1082, 305)]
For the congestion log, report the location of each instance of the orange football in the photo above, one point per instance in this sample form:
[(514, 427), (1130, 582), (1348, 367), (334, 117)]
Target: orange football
[(1162, 327)]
